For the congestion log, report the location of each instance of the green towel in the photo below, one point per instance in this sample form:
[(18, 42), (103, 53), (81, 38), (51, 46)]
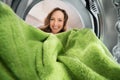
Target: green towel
[(27, 53)]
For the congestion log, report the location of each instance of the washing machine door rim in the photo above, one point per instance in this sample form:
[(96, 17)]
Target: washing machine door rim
[(95, 22), (90, 20)]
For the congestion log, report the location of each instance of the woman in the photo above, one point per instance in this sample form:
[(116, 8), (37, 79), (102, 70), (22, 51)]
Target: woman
[(56, 21)]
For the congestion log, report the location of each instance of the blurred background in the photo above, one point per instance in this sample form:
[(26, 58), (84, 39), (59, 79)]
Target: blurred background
[(38, 13)]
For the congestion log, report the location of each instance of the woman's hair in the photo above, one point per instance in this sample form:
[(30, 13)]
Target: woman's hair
[(46, 27)]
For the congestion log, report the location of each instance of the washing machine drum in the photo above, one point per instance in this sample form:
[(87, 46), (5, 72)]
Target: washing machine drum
[(82, 13)]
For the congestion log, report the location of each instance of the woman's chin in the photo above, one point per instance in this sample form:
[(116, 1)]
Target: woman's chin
[(55, 31)]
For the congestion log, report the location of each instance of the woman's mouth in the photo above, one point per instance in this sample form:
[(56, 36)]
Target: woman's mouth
[(55, 27)]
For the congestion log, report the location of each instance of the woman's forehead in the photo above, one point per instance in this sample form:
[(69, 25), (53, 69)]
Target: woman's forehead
[(58, 14)]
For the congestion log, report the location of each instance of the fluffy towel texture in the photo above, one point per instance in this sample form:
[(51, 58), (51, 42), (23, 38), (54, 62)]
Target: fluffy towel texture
[(27, 53)]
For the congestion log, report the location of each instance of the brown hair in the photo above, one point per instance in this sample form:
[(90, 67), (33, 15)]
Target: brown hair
[(46, 27)]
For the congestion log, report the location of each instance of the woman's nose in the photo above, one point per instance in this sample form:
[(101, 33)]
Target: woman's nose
[(55, 23)]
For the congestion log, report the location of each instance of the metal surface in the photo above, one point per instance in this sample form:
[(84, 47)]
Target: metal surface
[(116, 49), (110, 18)]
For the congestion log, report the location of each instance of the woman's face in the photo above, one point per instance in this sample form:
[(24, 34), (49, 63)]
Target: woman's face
[(57, 21)]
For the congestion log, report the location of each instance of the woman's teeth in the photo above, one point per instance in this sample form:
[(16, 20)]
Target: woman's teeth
[(55, 27)]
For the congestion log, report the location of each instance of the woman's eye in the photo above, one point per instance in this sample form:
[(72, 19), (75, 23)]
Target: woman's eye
[(59, 20), (51, 19)]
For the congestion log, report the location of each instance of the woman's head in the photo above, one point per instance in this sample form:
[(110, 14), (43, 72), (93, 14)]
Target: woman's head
[(56, 20)]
